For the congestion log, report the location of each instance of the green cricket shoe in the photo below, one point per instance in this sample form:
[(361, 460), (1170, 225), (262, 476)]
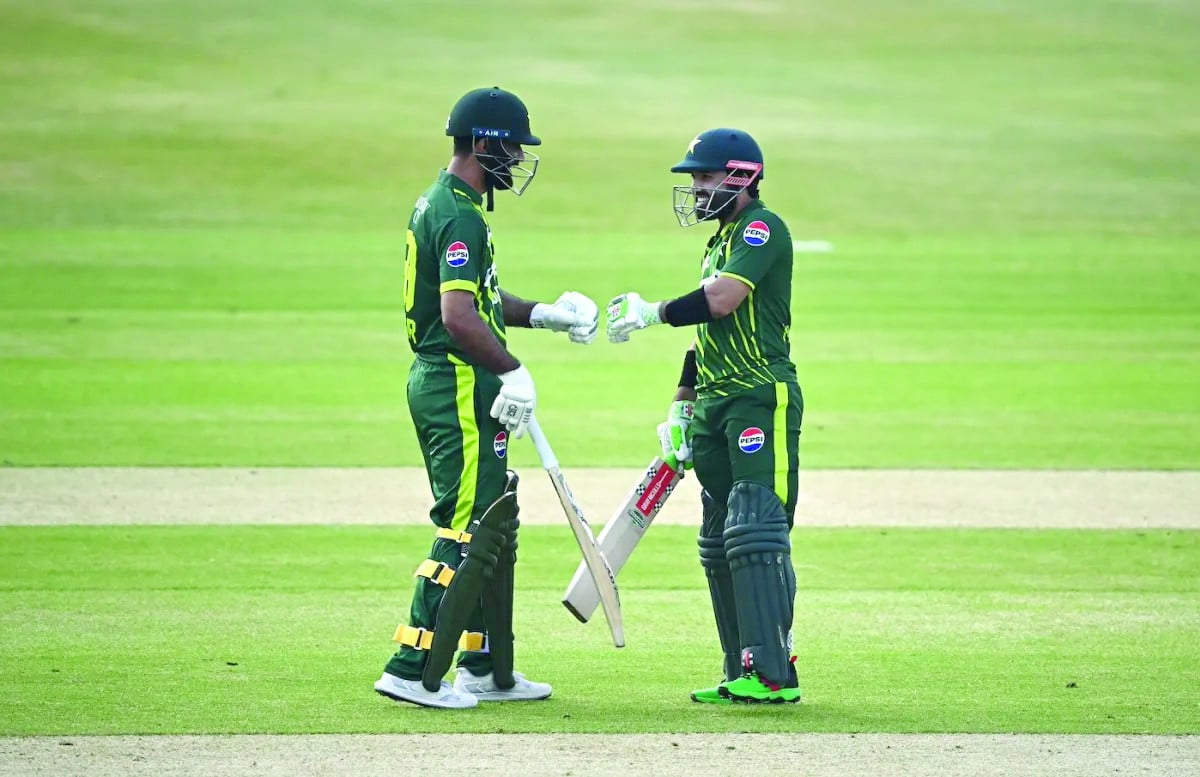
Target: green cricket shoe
[(710, 696), (749, 689)]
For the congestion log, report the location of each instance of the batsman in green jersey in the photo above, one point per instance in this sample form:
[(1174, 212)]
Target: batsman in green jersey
[(468, 396), (736, 414)]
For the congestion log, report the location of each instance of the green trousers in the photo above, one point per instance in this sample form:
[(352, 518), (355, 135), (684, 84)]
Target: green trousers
[(466, 458), (753, 435)]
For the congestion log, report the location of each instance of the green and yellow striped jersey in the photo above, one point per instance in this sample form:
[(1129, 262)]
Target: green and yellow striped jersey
[(751, 346), (449, 247)]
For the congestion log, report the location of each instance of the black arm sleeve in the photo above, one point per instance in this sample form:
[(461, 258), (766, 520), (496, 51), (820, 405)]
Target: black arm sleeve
[(690, 309), (687, 379)]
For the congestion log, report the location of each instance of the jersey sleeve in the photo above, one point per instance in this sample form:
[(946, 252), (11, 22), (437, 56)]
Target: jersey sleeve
[(460, 253), (757, 248)]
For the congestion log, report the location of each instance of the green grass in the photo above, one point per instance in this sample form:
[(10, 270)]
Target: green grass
[(201, 208), (201, 236), (253, 629)]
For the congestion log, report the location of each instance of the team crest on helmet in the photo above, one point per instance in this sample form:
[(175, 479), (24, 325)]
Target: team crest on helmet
[(457, 254), (751, 439), (500, 444), (756, 233)]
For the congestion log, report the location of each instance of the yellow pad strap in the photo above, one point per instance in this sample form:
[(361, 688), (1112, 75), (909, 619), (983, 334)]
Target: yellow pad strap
[(436, 571), (422, 639), (451, 534)]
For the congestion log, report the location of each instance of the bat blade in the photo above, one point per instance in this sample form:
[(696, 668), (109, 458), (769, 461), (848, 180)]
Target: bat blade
[(621, 535), (603, 579)]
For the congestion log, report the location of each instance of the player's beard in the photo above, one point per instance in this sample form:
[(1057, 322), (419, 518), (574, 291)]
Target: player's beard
[(719, 205), (499, 179), (498, 164)]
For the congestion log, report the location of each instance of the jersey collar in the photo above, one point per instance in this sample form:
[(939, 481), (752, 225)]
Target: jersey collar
[(746, 211), (447, 178)]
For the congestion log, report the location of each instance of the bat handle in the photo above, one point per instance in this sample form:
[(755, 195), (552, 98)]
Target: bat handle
[(544, 451)]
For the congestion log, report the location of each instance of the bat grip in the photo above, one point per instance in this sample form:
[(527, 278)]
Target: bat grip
[(544, 451)]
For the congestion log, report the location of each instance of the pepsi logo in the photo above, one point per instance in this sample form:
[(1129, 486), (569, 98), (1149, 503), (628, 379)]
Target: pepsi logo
[(500, 444), (751, 439), (756, 233), (457, 254)]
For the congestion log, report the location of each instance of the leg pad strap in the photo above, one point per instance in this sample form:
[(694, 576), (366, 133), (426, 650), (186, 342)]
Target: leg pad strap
[(436, 571), (422, 639), (454, 535)]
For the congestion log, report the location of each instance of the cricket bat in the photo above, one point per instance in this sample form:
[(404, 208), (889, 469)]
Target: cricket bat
[(621, 534), (602, 578)]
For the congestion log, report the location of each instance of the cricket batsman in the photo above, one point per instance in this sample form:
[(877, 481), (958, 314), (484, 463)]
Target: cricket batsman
[(468, 396), (736, 415)]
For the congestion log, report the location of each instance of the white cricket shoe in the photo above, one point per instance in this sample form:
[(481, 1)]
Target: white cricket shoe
[(398, 688), (484, 688)]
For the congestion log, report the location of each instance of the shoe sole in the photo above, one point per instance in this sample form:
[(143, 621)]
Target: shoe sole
[(718, 700), (501, 696), (735, 699), (394, 697)]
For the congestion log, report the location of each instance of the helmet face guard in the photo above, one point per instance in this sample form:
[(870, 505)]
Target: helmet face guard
[(506, 164), (721, 198)]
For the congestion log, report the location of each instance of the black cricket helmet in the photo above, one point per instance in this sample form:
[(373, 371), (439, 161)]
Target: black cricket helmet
[(502, 121), (729, 150)]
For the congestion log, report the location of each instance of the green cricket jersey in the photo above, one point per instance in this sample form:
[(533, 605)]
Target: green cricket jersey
[(751, 346), (449, 248)]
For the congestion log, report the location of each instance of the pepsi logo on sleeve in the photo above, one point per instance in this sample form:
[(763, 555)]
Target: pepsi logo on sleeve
[(756, 233), (457, 254)]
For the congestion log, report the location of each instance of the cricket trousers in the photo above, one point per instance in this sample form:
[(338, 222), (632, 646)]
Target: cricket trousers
[(749, 437), (466, 458), (753, 435)]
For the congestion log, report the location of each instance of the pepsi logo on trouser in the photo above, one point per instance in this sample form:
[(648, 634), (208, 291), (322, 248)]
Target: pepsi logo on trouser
[(752, 439)]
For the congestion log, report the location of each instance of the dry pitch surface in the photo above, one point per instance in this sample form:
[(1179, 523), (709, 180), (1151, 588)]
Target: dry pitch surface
[(831, 498)]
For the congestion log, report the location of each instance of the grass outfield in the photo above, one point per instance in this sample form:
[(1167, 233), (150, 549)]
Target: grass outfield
[(244, 629), (246, 349), (201, 234), (201, 213)]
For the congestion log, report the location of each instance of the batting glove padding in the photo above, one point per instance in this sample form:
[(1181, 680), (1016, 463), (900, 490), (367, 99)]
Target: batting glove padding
[(675, 434), (629, 312), (516, 401)]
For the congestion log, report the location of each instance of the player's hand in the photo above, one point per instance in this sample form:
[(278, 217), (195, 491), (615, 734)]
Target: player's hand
[(588, 317), (675, 434), (572, 312), (629, 312), (515, 403)]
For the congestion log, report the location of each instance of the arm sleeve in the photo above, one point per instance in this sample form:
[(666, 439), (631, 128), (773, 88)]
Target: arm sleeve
[(762, 244), (460, 246)]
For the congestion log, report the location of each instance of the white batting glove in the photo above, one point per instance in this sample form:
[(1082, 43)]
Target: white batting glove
[(587, 315), (675, 434), (515, 403), (629, 312), (572, 312)]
